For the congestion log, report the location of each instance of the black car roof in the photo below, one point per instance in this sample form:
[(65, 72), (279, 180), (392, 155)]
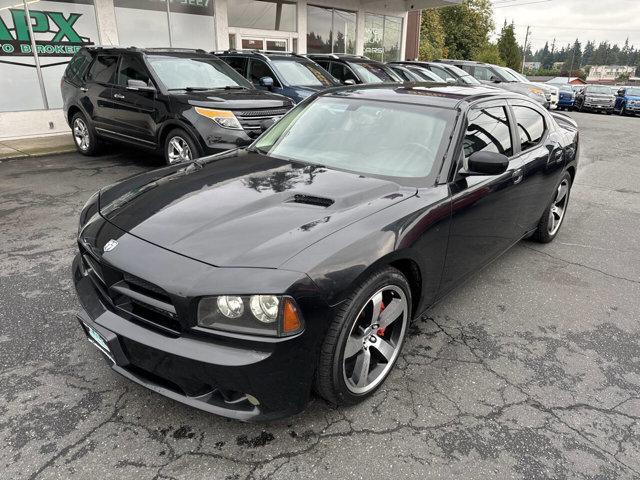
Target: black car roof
[(265, 54), (427, 93), (342, 57), (150, 51)]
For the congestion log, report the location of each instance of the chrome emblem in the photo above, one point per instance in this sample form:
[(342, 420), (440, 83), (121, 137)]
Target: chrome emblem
[(110, 245)]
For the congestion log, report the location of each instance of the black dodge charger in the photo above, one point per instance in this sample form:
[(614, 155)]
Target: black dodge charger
[(240, 282)]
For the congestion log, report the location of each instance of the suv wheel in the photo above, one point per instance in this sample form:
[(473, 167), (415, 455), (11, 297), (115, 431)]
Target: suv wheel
[(179, 147), (84, 136)]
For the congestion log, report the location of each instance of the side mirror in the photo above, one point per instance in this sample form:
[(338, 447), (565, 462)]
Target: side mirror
[(266, 82), (451, 80), (349, 81), (495, 79), (487, 163), (139, 86)]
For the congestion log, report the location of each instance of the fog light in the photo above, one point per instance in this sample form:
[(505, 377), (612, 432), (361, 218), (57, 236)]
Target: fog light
[(264, 307), (252, 400), (230, 306)]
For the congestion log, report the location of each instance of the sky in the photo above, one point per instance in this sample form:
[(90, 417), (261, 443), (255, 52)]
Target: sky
[(599, 20)]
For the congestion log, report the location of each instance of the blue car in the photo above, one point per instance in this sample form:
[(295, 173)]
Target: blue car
[(288, 74), (628, 101), (567, 97)]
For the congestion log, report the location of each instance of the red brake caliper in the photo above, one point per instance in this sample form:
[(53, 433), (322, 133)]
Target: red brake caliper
[(380, 331)]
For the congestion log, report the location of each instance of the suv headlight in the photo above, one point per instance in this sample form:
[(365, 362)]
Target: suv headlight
[(224, 118), (272, 315)]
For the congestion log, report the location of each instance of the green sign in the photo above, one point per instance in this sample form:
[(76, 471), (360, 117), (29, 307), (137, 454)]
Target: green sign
[(54, 31)]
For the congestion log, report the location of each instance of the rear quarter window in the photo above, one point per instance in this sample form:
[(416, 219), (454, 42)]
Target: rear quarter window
[(77, 67)]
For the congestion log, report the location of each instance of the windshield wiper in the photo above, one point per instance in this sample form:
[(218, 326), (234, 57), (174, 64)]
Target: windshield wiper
[(235, 87), (192, 89)]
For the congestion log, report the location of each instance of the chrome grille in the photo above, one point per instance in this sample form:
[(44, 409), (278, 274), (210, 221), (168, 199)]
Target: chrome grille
[(251, 120)]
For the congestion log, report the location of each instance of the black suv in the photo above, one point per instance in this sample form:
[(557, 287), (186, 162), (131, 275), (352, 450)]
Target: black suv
[(186, 102), (352, 69), (288, 74)]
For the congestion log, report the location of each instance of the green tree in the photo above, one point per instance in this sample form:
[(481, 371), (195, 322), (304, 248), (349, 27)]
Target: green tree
[(508, 47), (431, 36), (587, 55), (466, 28), (573, 59), (489, 53)]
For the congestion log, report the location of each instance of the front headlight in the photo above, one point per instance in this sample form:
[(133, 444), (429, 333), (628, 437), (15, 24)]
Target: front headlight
[(224, 118), (271, 315)]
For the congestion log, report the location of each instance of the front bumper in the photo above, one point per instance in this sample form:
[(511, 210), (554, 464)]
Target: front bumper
[(221, 375)]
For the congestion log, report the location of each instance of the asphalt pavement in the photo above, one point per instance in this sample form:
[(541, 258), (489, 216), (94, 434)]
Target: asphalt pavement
[(529, 371)]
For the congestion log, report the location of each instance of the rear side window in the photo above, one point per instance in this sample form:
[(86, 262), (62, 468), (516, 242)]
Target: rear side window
[(488, 131), (531, 126), (239, 64), (483, 73), (103, 69), (78, 66), (132, 68)]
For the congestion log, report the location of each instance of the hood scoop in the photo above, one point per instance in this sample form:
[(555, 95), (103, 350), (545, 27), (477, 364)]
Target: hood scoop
[(311, 200)]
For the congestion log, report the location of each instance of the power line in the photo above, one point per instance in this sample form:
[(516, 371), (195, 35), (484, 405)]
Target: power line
[(519, 4)]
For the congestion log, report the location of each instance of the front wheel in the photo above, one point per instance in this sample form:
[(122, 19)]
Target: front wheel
[(364, 339), (84, 135), (179, 147), (552, 218)]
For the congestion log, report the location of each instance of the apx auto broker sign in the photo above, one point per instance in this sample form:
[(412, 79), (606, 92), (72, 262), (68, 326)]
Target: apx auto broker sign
[(55, 34)]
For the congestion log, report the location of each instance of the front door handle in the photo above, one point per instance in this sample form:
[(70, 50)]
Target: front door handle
[(119, 96), (517, 176), (83, 89)]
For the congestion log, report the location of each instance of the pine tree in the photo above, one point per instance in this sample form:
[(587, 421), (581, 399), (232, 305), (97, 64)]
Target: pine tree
[(508, 47), (431, 36)]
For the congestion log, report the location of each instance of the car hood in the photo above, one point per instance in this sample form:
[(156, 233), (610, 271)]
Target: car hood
[(243, 209), (233, 99)]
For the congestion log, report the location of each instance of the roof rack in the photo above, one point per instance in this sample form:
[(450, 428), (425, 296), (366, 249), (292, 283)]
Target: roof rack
[(337, 56), (263, 53), (172, 49)]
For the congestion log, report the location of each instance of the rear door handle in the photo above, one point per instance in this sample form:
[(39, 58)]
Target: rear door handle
[(517, 176), (119, 96), (83, 89)]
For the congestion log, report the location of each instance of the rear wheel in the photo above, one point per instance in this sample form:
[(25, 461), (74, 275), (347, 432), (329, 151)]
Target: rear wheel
[(365, 338), (552, 218), (179, 147), (84, 135)]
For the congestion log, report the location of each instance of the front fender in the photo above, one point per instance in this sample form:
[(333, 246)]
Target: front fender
[(416, 229)]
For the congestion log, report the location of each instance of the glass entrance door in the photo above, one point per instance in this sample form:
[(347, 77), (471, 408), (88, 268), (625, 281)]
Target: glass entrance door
[(264, 43)]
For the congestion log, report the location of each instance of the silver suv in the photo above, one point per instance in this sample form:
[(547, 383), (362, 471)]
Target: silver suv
[(500, 77)]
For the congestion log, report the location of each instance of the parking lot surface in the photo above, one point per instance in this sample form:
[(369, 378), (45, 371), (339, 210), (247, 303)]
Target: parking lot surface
[(531, 370)]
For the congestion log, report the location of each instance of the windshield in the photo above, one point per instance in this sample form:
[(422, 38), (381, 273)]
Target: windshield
[(363, 136), (566, 88), (517, 75), (181, 73), (301, 73), (425, 74), (633, 92), (505, 75), (599, 89), (373, 73)]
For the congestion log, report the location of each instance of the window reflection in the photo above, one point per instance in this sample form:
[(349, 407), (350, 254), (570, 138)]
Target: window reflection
[(382, 37), (262, 14), (330, 30)]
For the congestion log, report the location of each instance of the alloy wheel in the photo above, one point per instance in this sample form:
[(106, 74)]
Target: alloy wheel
[(178, 150), (558, 208), (81, 134), (375, 340)]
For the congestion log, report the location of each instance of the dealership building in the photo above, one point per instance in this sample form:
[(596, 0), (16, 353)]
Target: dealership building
[(33, 55)]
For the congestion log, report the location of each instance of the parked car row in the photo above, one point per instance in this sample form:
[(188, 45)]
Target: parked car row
[(189, 103)]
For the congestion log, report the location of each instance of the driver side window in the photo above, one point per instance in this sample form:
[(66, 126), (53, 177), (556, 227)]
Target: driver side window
[(488, 131)]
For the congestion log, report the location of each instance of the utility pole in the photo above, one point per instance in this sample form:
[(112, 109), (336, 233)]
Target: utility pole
[(524, 50)]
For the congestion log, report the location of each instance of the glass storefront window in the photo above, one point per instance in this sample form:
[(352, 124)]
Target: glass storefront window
[(382, 37), (330, 30), (262, 14), (144, 23), (60, 29)]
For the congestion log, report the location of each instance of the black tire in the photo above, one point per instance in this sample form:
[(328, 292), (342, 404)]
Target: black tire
[(182, 137), (330, 381), (84, 135), (543, 233)]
